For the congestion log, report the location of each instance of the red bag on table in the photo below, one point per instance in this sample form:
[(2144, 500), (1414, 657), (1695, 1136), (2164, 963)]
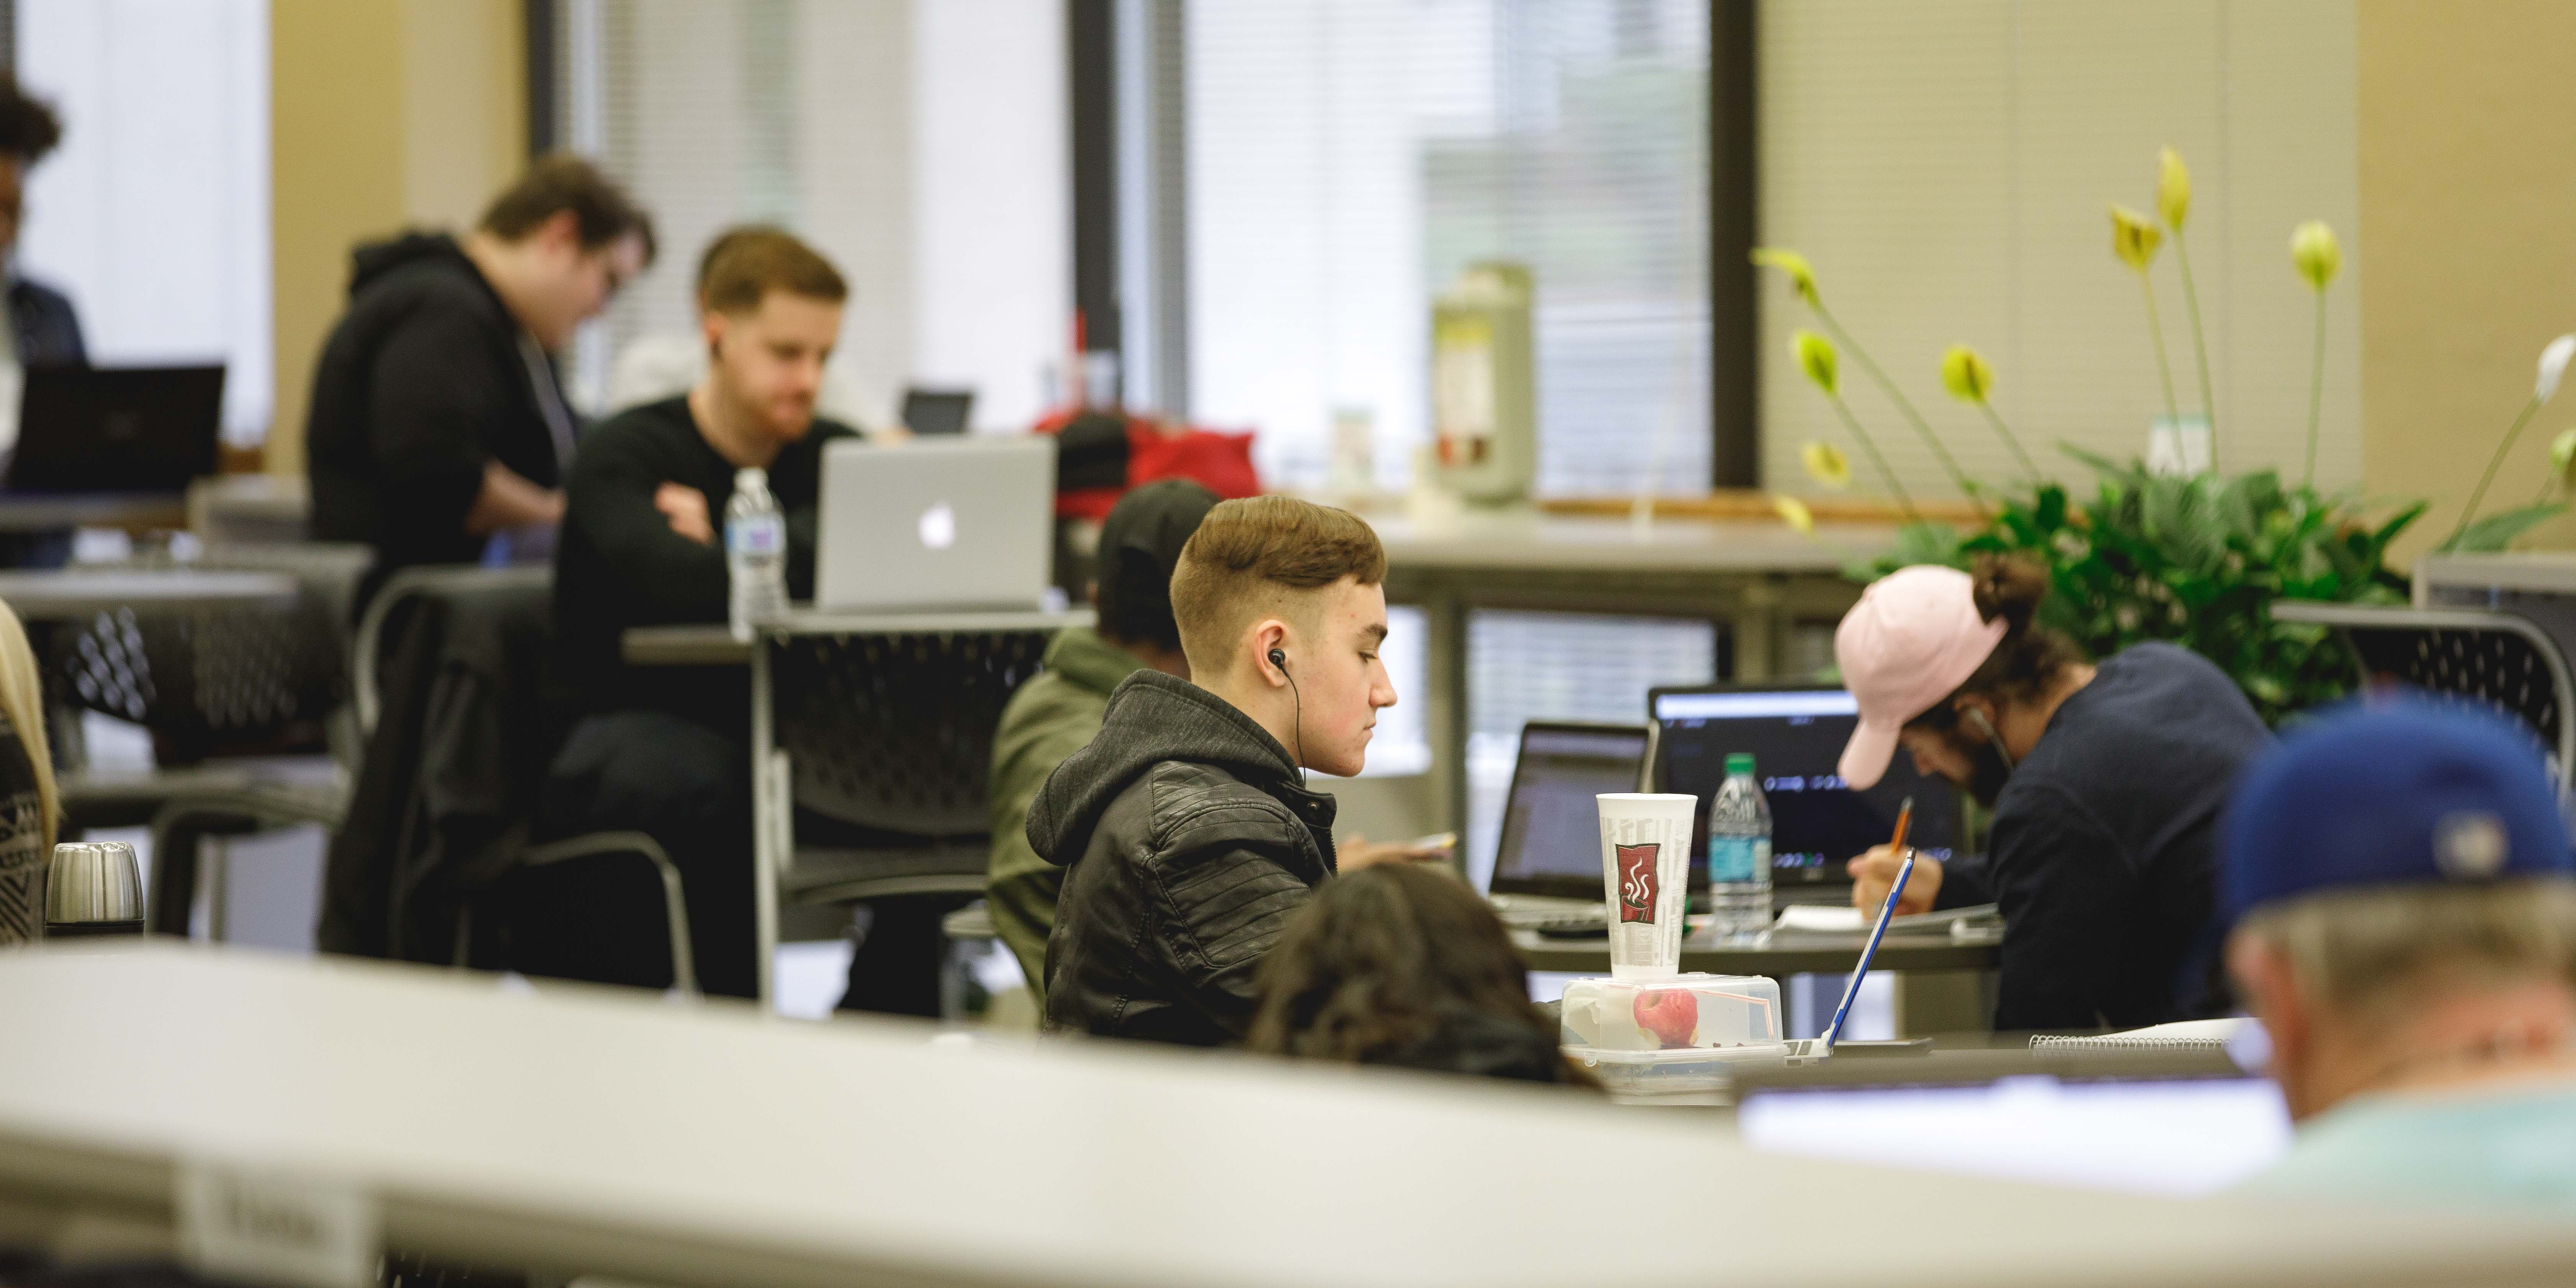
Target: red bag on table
[(1099, 455)]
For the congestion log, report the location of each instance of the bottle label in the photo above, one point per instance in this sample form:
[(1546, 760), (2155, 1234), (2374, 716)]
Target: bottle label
[(756, 534), (1739, 858)]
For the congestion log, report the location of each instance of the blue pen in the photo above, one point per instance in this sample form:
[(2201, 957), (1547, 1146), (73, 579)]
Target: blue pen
[(1834, 1032)]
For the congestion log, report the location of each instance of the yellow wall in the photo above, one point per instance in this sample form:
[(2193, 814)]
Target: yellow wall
[(1948, 167), (383, 113), (2468, 184)]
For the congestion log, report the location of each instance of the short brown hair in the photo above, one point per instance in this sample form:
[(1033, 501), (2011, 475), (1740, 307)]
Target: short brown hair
[(601, 210), (1247, 555), (744, 265)]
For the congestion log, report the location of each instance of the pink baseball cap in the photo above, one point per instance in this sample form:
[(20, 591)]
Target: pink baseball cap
[(1912, 640)]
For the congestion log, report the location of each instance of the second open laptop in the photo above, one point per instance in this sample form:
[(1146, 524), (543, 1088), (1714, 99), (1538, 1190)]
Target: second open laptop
[(116, 429), (1547, 866), (951, 524)]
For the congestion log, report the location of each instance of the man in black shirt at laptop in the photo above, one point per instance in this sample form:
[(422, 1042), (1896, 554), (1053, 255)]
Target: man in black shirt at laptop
[(664, 750), (437, 420)]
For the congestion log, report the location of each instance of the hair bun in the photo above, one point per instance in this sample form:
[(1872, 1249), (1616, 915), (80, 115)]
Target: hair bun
[(2009, 587)]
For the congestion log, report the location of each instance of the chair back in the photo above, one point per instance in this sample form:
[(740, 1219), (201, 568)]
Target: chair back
[(894, 733), (205, 678), (2497, 661), (403, 591)]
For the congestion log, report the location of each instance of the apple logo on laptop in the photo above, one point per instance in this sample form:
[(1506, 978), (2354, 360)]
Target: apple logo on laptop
[(939, 527)]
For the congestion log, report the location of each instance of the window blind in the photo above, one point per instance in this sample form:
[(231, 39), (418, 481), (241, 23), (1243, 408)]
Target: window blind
[(1560, 666), (1347, 158), (916, 143)]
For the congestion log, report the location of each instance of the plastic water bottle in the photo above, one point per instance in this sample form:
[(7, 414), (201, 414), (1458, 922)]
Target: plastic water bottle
[(755, 553), (1739, 854)]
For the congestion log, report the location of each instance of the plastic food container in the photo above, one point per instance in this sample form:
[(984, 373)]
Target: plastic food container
[(1676, 1035)]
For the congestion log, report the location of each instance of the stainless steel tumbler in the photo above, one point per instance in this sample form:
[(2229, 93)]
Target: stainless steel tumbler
[(93, 888)]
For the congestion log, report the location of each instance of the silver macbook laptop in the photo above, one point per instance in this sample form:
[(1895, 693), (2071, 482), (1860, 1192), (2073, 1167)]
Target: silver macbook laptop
[(955, 523)]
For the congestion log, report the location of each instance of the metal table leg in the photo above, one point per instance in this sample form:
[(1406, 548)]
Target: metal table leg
[(1445, 716), (766, 828)]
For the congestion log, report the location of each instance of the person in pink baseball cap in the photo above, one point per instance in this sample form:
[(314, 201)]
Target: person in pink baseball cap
[(2103, 783)]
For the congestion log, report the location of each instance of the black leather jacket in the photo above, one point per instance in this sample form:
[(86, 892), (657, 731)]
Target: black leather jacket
[(1188, 844)]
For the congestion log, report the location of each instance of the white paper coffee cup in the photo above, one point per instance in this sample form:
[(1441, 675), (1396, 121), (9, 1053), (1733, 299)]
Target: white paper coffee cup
[(1645, 879)]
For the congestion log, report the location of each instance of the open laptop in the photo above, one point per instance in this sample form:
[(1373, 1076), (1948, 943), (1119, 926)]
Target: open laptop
[(1795, 732), (116, 429), (941, 524), (1547, 867)]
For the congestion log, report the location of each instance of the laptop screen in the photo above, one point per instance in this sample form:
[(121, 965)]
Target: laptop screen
[(1796, 735), (1551, 841)]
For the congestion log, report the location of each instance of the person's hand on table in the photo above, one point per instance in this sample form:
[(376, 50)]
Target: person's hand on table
[(686, 508), (1360, 852), (1874, 872)]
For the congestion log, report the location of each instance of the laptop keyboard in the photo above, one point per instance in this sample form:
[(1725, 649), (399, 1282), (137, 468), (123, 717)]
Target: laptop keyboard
[(1550, 915)]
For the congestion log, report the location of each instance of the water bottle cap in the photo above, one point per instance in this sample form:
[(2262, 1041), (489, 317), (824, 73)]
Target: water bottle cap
[(749, 476), (1739, 762)]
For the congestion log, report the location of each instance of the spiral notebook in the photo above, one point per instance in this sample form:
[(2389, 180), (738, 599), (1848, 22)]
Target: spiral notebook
[(2182, 1035)]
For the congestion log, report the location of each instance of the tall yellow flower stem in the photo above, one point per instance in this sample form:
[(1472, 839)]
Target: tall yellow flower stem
[(2529, 410), (2156, 332), (2028, 466), (1862, 437), (2199, 346), (1967, 487), (2316, 390)]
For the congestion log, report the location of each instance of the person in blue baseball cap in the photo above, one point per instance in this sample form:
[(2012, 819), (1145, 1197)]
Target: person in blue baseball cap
[(2403, 900)]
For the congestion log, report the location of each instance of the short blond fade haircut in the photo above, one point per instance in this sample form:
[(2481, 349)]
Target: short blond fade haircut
[(1264, 556)]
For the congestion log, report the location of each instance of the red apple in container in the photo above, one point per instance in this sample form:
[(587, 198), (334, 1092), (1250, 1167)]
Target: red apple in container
[(1671, 1014)]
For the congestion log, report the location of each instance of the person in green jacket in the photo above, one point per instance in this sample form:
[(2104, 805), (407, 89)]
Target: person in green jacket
[(1058, 711)]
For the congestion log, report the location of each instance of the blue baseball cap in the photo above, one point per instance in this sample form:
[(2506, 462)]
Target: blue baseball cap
[(2391, 794)]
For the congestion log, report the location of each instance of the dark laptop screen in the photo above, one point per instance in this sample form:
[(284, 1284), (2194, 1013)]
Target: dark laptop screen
[(1796, 736), (1551, 842)]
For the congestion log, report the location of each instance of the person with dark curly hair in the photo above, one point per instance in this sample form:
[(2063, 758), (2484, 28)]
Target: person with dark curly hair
[(43, 328), (1402, 965), (2105, 781)]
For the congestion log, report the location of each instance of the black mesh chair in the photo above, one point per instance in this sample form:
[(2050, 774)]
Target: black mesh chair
[(890, 741), (2496, 661), (238, 701)]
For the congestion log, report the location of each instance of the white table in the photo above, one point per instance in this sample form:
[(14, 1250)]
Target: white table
[(602, 1131), (76, 593)]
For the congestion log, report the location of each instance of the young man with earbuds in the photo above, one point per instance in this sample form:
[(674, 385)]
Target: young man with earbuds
[(1186, 828)]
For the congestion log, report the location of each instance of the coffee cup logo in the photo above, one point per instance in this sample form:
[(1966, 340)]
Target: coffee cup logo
[(1637, 882)]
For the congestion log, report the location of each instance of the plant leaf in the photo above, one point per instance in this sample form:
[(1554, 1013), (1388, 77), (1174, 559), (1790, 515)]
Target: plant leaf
[(2496, 531)]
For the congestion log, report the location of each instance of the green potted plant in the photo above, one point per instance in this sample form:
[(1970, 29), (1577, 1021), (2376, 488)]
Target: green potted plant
[(2195, 558)]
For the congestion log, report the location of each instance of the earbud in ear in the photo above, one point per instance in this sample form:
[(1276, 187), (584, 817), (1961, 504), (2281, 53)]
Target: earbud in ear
[(1984, 725), (1279, 659)]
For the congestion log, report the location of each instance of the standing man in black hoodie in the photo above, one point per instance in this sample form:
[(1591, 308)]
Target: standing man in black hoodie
[(437, 418), (1187, 832)]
